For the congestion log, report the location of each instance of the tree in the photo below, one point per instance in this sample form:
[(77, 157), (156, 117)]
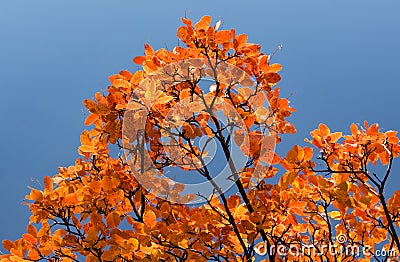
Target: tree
[(131, 207)]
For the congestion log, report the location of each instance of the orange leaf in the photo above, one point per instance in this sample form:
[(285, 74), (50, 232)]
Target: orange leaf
[(109, 255), (31, 229), (149, 218), (324, 130), (89, 104), (334, 137), (85, 138), (249, 120), (182, 32), (223, 36), (101, 109), (121, 83), (163, 99), (8, 244), (28, 237), (287, 179), (275, 68), (290, 128), (149, 51), (240, 212), (292, 219), (113, 219), (139, 60), (90, 119), (204, 23), (233, 201), (109, 183), (126, 74), (308, 153), (272, 78), (76, 221), (354, 129), (379, 234), (240, 41), (35, 194), (48, 185), (86, 148), (165, 209), (71, 200), (373, 130), (96, 220), (33, 254), (149, 66), (296, 154), (45, 251), (187, 22)]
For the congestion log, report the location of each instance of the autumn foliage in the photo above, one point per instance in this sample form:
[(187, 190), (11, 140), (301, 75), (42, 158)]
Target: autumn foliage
[(124, 208)]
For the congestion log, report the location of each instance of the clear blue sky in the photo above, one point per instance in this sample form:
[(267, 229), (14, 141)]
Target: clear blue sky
[(340, 60)]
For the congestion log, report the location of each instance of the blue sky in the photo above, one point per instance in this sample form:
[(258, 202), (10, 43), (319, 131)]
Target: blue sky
[(340, 65)]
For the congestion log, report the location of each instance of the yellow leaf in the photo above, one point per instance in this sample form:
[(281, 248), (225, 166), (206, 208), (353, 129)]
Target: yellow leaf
[(151, 91), (240, 212), (133, 243), (335, 215)]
